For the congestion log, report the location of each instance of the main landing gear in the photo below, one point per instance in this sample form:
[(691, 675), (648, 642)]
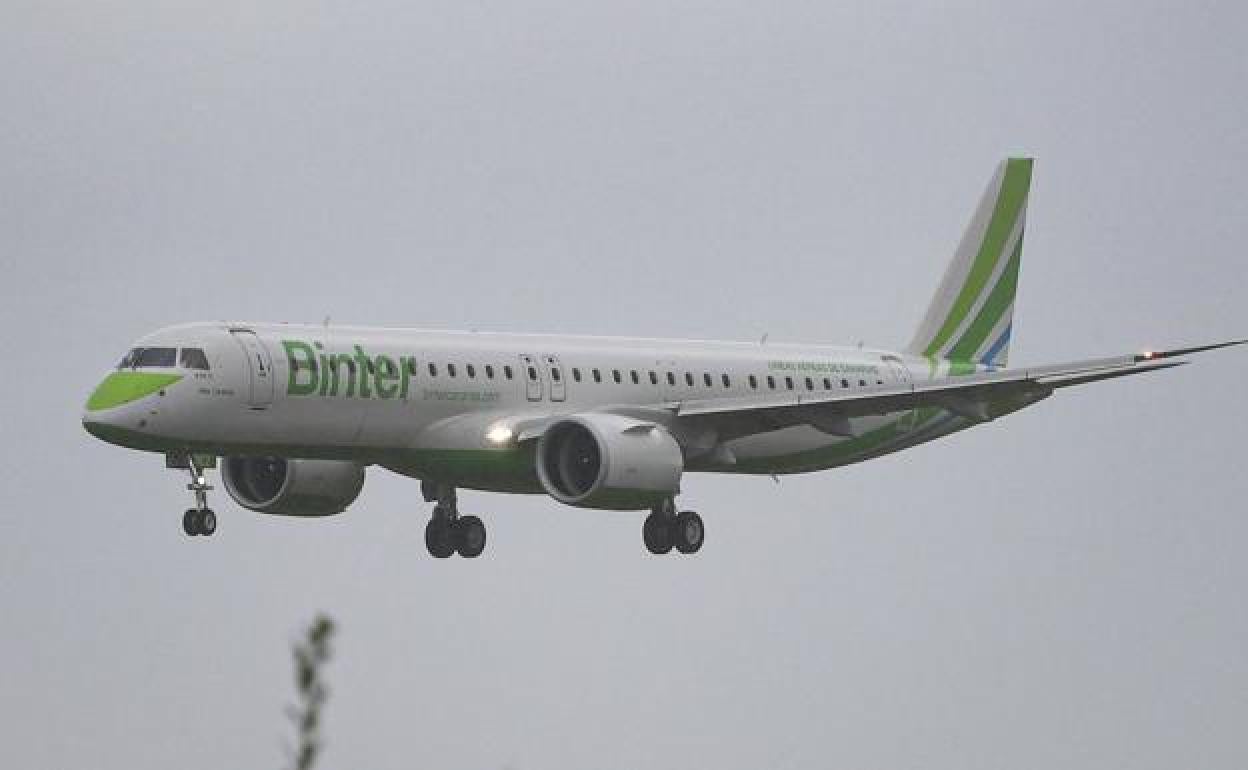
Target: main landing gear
[(665, 529), (447, 532), (199, 520)]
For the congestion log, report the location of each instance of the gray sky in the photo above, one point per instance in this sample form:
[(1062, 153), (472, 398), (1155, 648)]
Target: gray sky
[(1062, 588)]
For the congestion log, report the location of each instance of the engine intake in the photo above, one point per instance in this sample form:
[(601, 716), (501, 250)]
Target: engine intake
[(608, 461), (292, 487)]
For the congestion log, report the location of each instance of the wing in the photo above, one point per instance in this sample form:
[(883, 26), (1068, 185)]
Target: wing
[(980, 396)]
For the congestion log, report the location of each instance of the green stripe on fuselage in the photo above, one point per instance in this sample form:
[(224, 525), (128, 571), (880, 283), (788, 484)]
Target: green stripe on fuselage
[(842, 452), (123, 387)]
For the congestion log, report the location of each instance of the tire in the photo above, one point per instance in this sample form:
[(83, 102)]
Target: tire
[(656, 533), (189, 524), (439, 538), (206, 522), (469, 537), (688, 532)]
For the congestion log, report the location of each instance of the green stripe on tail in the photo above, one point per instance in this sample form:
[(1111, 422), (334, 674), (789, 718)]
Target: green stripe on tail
[(970, 316)]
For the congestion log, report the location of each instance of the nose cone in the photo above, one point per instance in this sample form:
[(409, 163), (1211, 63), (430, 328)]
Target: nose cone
[(105, 407), (97, 425)]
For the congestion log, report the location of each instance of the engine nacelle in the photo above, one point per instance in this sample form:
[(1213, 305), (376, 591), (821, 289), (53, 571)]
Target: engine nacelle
[(292, 487), (608, 461)]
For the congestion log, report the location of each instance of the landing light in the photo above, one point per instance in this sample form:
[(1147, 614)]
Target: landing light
[(499, 434)]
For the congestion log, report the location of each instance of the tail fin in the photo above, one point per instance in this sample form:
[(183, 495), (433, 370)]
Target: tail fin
[(971, 315)]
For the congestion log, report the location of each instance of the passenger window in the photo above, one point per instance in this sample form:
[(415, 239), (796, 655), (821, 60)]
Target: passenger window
[(788, 383), (450, 370), (597, 375), (844, 383), (555, 374), (489, 372), (862, 383), (433, 369), (636, 379), (727, 382), (194, 358), (810, 384), (671, 378), (576, 374), (688, 379), (532, 374), (654, 378), (827, 384), (706, 379), (615, 375), (507, 371), (753, 382), (471, 370), (771, 382)]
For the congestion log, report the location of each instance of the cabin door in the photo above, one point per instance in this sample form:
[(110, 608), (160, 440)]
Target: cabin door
[(260, 366), (532, 377), (554, 373)]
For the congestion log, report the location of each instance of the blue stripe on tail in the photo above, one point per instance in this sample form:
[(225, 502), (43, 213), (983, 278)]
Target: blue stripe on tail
[(997, 347)]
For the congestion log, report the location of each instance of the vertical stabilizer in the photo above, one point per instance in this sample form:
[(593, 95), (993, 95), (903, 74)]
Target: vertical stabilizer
[(971, 315)]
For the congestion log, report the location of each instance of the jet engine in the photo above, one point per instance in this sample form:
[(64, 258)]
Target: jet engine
[(292, 487), (609, 461)]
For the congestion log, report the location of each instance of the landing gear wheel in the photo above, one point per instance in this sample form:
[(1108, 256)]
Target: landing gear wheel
[(440, 537), (469, 537), (189, 524), (207, 522), (657, 534), (688, 532)]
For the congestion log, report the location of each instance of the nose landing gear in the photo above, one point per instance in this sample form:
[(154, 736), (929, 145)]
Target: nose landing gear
[(199, 520), (447, 532)]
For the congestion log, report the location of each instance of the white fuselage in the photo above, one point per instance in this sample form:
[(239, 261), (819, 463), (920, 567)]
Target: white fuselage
[(425, 403)]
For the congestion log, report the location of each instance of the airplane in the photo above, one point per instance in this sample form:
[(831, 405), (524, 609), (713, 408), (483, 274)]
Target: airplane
[(296, 413)]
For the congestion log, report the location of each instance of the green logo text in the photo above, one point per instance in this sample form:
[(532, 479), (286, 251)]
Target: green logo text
[(313, 372)]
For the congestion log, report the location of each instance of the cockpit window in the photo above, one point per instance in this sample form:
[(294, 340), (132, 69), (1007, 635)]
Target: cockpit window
[(194, 358), (156, 357), (142, 358)]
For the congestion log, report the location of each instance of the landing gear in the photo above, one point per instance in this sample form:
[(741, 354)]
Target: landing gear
[(440, 536), (665, 529), (469, 537), (447, 532), (199, 520), (656, 533)]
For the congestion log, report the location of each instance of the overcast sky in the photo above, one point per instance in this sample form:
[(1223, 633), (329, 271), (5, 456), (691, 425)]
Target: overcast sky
[(1063, 588)]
